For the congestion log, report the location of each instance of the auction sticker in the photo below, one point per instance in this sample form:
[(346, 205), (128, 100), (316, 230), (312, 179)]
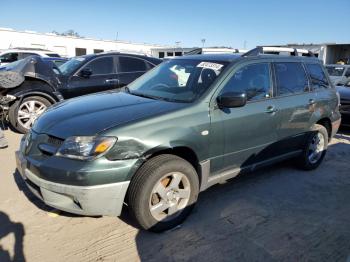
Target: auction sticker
[(214, 66)]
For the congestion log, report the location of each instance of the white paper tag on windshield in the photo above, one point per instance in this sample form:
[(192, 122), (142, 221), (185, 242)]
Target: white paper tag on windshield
[(210, 65)]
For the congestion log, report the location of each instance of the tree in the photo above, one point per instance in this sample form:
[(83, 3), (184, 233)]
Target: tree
[(69, 32)]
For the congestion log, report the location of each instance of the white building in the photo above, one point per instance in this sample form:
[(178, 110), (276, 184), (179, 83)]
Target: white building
[(162, 52), (329, 53), (68, 46)]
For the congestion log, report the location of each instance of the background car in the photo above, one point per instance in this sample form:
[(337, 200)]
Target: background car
[(344, 92), (339, 74), (15, 54), (36, 84)]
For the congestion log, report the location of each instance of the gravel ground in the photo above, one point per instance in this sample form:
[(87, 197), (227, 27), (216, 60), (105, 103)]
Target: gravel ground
[(275, 214)]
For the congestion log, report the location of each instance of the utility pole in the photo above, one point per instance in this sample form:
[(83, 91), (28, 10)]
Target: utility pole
[(203, 41), (245, 44)]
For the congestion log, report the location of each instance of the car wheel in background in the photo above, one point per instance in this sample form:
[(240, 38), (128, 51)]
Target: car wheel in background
[(22, 114), (163, 192)]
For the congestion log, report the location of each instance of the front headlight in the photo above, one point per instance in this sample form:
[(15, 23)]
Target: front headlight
[(86, 147)]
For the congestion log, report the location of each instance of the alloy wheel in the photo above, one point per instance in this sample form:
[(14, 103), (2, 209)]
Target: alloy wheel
[(316, 148), (29, 111), (169, 196)]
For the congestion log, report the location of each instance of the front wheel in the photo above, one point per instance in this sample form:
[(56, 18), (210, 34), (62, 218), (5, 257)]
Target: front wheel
[(163, 192), (22, 115), (315, 148)]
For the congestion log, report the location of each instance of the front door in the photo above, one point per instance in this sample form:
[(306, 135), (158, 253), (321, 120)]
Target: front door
[(246, 133), (103, 77)]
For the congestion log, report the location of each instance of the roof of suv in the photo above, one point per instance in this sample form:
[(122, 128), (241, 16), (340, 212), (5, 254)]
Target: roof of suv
[(232, 57)]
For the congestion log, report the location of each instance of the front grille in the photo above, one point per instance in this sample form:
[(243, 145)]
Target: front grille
[(54, 141)]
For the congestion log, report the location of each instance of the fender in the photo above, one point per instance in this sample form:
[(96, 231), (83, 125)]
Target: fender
[(45, 91)]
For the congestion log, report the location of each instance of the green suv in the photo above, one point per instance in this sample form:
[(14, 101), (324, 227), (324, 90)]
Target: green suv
[(188, 124)]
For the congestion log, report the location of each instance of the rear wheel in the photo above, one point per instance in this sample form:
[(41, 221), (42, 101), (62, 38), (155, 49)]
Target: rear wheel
[(163, 192), (315, 148), (22, 115)]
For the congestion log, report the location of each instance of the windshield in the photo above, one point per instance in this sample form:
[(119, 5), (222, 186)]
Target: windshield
[(178, 80), (335, 70), (71, 65)]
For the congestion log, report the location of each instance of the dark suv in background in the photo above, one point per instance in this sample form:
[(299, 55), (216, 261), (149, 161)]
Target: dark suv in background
[(192, 122), (34, 85)]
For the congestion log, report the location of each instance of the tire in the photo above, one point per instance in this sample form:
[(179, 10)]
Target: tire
[(306, 161), (161, 171), (14, 117)]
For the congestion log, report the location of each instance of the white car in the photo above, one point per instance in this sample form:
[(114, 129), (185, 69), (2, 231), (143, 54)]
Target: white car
[(15, 54)]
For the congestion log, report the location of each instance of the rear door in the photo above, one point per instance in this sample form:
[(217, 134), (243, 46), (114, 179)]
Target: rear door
[(325, 98), (130, 68), (295, 103), (244, 134), (103, 77)]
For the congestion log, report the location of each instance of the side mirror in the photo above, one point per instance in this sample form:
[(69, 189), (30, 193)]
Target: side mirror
[(86, 72), (232, 99)]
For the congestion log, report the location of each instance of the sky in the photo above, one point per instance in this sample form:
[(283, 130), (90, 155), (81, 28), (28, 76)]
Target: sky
[(237, 24)]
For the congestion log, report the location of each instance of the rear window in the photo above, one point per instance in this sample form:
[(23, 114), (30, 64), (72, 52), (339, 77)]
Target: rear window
[(335, 70), (318, 77), (130, 64), (53, 55), (291, 78)]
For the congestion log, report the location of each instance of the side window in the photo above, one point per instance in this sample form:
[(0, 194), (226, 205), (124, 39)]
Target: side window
[(290, 78), (318, 77), (101, 66), (130, 64), (253, 79), (9, 57)]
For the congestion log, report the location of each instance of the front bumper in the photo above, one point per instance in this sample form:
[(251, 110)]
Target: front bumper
[(105, 199)]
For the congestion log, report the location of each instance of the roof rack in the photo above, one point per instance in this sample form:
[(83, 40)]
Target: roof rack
[(271, 50)]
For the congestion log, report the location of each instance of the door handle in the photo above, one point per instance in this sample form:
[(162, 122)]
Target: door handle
[(271, 109), (312, 102), (111, 81)]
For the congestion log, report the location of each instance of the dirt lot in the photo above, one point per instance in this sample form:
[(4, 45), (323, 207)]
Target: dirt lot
[(275, 214)]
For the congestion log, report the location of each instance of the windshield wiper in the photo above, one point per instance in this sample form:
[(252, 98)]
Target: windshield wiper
[(143, 95)]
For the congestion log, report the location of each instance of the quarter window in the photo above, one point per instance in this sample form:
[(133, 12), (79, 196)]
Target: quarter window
[(290, 78), (101, 66), (130, 64), (318, 77), (252, 79)]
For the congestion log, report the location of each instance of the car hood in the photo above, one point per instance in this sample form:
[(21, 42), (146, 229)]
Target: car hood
[(92, 114)]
